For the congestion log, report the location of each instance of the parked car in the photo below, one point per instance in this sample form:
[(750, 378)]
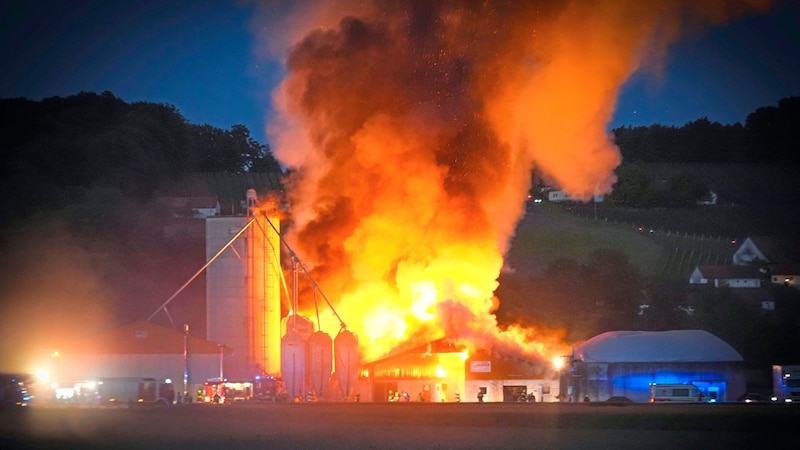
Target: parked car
[(750, 397), (13, 391)]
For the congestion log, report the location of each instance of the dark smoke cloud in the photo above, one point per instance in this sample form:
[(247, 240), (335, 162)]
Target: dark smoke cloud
[(412, 129)]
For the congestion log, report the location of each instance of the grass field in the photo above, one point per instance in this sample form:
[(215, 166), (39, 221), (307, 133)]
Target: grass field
[(662, 242), (403, 426), (549, 232)]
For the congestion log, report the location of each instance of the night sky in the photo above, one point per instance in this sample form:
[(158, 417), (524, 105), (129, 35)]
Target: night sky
[(203, 58)]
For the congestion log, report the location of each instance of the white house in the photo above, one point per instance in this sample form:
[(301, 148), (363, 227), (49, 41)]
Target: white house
[(727, 276), (786, 274), (777, 258), (561, 196)]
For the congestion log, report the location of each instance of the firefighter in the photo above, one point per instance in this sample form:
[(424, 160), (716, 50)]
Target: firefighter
[(480, 396), (458, 397)]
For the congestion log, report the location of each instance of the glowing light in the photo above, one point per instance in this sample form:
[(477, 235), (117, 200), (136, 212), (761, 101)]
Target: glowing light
[(558, 362), (43, 375), (440, 373)]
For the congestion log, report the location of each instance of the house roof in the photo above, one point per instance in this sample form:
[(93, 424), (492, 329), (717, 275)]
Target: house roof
[(442, 345), (144, 337), (786, 269), (729, 272), (656, 346), (776, 250)]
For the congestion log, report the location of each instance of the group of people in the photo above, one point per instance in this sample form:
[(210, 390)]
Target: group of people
[(397, 396)]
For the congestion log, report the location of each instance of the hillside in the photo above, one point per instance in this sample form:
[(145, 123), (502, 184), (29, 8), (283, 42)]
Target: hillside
[(550, 231), (753, 200)]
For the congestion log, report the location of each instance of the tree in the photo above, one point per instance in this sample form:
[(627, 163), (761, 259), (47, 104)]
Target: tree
[(773, 132), (633, 188), (685, 190)]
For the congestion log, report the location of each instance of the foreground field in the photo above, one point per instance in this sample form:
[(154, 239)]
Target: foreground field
[(395, 426)]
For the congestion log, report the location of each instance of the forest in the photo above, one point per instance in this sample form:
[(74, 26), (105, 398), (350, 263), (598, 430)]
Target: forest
[(62, 152), (769, 135)]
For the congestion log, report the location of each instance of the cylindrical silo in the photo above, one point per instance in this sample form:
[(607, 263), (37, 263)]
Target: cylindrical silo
[(320, 357), (346, 354)]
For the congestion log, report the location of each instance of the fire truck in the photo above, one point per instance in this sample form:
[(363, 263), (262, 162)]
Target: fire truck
[(214, 391), (786, 384), (217, 390)]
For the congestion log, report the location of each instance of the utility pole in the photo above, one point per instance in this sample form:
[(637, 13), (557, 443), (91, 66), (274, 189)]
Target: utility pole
[(221, 349), (185, 361)]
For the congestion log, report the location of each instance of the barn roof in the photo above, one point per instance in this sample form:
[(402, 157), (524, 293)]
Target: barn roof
[(144, 338), (656, 346)]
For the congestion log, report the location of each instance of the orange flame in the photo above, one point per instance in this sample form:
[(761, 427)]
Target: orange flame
[(412, 129)]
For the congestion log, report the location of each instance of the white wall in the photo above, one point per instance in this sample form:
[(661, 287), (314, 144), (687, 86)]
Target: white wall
[(494, 389)]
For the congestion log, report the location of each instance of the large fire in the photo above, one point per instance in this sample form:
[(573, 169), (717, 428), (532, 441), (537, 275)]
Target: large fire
[(412, 129)]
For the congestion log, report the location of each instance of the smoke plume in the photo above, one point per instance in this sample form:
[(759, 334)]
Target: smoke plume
[(412, 129)]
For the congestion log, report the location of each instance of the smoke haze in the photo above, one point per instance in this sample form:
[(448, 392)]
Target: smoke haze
[(53, 296)]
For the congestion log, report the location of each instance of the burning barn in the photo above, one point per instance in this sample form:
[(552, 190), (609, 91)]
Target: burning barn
[(497, 377), (432, 372), (627, 363), (443, 371)]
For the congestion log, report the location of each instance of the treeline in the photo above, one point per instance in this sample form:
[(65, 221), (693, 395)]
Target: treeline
[(769, 135), (59, 151)]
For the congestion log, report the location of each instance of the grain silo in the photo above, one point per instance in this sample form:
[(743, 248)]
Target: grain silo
[(243, 289)]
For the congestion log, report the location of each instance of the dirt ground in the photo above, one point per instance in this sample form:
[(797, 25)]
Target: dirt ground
[(400, 426)]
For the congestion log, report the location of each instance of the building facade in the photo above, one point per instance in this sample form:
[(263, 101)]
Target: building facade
[(627, 363)]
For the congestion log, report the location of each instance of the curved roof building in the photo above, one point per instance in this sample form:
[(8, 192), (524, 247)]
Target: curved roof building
[(627, 363), (656, 346)]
